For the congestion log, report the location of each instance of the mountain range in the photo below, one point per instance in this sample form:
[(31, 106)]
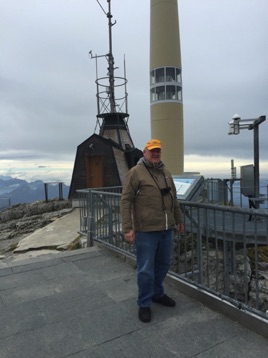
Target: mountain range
[(17, 191)]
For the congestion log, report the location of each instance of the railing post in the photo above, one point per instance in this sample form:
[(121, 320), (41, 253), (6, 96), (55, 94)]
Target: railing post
[(46, 192), (60, 191), (90, 217), (90, 241)]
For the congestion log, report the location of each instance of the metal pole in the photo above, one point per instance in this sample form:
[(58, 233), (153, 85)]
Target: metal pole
[(90, 216), (233, 177), (60, 191), (256, 163), (90, 241), (46, 192), (111, 61)]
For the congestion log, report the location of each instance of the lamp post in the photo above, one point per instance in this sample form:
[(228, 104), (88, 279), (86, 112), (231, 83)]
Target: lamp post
[(234, 128)]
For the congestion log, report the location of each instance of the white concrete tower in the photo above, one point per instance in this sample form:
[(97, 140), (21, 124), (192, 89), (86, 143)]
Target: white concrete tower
[(166, 83)]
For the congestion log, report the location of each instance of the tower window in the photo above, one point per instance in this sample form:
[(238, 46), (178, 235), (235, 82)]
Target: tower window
[(160, 93), (160, 75), (179, 93), (178, 75), (170, 74), (152, 77), (171, 92), (166, 84), (153, 96)]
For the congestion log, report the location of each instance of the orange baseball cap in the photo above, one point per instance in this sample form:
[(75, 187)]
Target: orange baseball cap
[(153, 144)]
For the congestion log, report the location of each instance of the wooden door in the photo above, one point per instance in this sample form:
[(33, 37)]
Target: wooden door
[(94, 171)]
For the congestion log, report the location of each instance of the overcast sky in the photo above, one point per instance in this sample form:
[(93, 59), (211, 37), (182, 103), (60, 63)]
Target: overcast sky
[(47, 80)]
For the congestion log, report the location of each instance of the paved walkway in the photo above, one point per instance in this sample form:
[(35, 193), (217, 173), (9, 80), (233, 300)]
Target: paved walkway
[(82, 304)]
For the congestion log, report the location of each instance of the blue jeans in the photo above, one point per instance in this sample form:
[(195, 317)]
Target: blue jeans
[(153, 262)]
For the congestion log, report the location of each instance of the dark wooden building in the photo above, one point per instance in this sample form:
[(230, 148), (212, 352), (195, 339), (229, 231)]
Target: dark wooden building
[(101, 162)]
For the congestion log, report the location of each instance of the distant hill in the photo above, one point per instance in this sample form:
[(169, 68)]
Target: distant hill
[(17, 191)]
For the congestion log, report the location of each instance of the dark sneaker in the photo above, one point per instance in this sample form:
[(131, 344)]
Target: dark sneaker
[(165, 301), (145, 314)]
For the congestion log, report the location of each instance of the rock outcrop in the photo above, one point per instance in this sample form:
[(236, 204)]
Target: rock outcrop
[(20, 220)]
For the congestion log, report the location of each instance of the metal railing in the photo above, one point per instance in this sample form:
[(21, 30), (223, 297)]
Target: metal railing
[(223, 251)]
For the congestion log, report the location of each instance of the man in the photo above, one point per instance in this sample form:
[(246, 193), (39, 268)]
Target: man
[(150, 211)]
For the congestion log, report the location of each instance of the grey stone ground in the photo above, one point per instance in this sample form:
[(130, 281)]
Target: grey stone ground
[(82, 304)]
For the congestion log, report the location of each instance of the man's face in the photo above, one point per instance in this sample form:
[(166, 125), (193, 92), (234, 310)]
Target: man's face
[(152, 156)]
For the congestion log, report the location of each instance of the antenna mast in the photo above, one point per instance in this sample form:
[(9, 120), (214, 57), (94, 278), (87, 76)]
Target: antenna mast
[(111, 60), (112, 116), (106, 92)]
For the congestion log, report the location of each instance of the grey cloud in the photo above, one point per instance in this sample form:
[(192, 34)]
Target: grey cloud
[(48, 90)]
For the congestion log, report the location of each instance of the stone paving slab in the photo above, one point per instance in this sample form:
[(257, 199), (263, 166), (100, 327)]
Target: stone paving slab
[(82, 304)]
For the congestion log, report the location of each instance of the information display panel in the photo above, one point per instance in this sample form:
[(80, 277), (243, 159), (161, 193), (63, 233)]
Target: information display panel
[(187, 186)]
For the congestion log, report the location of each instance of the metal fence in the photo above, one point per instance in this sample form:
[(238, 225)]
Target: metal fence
[(223, 251)]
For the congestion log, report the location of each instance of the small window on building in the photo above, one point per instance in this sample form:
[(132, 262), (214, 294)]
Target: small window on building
[(178, 75), (153, 96), (160, 93), (170, 74), (171, 92), (179, 93), (152, 77), (160, 75)]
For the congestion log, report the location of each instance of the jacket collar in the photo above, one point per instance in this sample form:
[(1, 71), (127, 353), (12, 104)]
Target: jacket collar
[(159, 165)]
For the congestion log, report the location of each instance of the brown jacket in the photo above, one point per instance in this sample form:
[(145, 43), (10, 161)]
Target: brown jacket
[(143, 207)]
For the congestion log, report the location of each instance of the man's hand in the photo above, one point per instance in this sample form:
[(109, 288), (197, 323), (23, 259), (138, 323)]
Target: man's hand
[(130, 237), (180, 228)]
